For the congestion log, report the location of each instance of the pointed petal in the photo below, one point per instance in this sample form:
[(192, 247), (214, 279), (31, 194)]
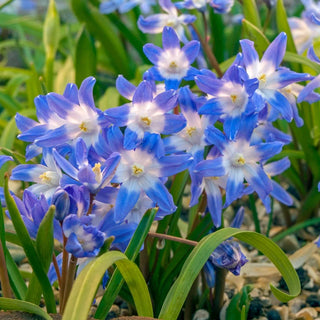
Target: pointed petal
[(86, 93), (125, 88), (128, 196)]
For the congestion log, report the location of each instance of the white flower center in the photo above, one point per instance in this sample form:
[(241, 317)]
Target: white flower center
[(238, 160)]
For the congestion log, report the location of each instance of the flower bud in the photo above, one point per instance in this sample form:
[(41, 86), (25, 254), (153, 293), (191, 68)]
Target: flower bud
[(61, 201)]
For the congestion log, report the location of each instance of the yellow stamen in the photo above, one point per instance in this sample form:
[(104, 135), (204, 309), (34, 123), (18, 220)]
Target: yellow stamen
[(190, 131), (83, 127), (146, 120), (136, 170), (233, 97), (263, 78), (241, 161), (97, 171), (45, 178), (173, 65)]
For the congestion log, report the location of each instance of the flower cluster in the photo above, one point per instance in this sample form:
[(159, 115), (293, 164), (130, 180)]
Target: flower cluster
[(103, 170)]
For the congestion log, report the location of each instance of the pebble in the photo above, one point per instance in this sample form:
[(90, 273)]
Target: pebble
[(313, 300), (273, 315), (289, 244), (296, 304), (307, 314), (201, 314), (255, 309)]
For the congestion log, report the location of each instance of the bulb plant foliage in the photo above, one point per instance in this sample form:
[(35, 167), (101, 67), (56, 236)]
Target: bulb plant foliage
[(171, 103)]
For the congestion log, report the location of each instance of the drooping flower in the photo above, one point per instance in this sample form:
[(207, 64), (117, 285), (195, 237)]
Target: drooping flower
[(172, 64)]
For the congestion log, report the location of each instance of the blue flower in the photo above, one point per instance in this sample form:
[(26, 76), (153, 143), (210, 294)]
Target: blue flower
[(227, 255), (155, 23), (191, 139), (271, 77), (4, 159), (63, 118), (172, 64), (93, 176), (142, 169), (33, 209), (147, 113), (240, 161), (46, 176), (124, 6), (221, 6), (307, 93), (232, 98)]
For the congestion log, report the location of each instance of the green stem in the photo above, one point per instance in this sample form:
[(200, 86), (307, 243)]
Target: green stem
[(254, 213), (211, 57), (295, 228), (4, 278), (219, 289), (64, 271), (270, 219), (69, 281), (49, 73), (172, 238)]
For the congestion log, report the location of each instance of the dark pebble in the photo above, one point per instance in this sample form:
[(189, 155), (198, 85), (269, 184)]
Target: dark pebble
[(111, 315), (273, 315), (255, 309), (303, 277), (313, 300)]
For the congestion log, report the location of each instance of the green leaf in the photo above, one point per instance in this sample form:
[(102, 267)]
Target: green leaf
[(51, 30), (115, 283), (85, 286), (17, 283), (101, 28), (86, 56), (283, 25), (44, 245), (239, 304), (29, 249), (251, 13), (110, 99), (250, 31), (9, 103), (23, 306), (200, 254), (9, 134), (296, 58)]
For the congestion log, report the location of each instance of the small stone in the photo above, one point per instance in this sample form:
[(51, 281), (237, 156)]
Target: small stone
[(283, 311), (273, 315), (295, 305), (307, 314), (313, 301), (255, 309), (289, 244), (201, 314)]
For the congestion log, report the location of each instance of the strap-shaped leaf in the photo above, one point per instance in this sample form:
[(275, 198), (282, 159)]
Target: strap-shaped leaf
[(200, 254), (251, 13), (44, 245), (30, 250), (18, 305), (87, 283), (17, 283), (250, 31), (115, 283)]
